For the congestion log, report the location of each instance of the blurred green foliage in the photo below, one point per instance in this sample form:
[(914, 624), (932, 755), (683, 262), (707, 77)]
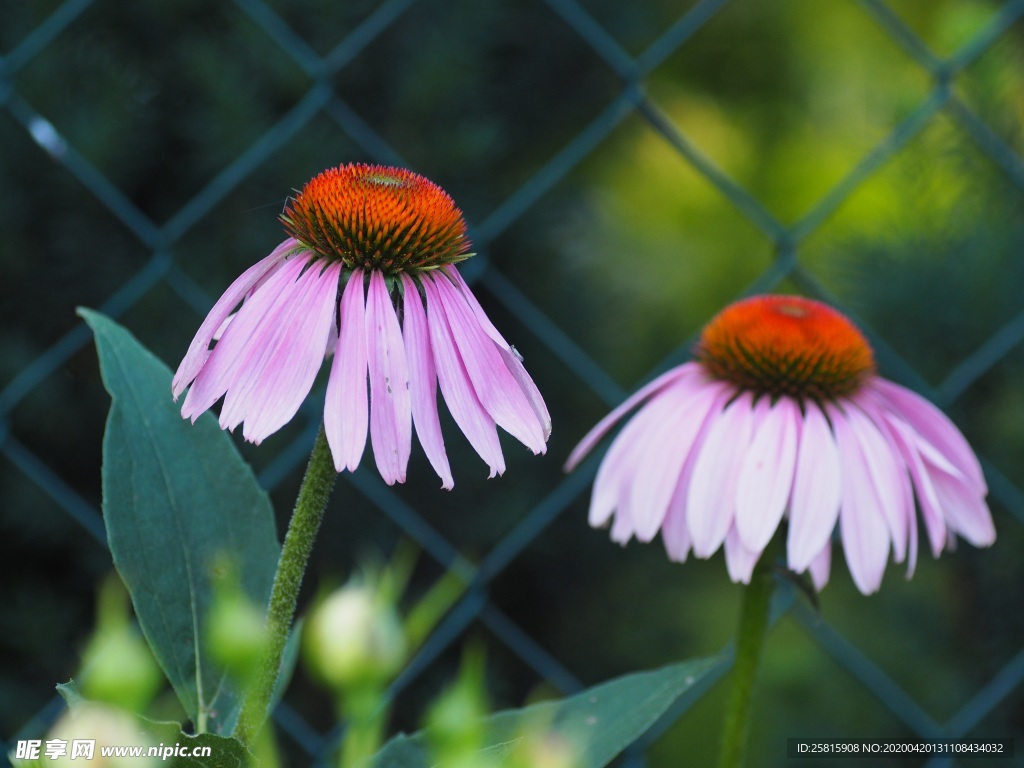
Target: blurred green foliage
[(629, 254)]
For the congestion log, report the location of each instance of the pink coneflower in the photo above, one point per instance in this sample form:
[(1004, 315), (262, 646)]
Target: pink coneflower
[(368, 274), (783, 416)]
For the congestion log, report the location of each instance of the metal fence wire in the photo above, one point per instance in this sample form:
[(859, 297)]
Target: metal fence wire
[(313, 71)]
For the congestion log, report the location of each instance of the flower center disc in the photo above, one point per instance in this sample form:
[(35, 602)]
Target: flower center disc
[(786, 345), (377, 217)]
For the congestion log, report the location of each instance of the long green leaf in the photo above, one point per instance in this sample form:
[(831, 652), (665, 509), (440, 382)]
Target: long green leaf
[(603, 720), (177, 498)]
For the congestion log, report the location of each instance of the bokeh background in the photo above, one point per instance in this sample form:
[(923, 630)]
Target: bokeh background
[(627, 169)]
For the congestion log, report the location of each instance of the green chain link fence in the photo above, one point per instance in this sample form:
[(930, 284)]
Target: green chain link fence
[(314, 76)]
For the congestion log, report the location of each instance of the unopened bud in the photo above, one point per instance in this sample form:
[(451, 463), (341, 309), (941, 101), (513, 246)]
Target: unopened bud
[(95, 726), (355, 637), (236, 631), (118, 667)]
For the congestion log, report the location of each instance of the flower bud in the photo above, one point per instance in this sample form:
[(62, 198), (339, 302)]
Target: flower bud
[(102, 726), (118, 667), (236, 633), (355, 638)]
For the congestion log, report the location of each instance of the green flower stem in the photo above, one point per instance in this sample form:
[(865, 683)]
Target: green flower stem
[(298, 543), (365, 711), (749, 642)]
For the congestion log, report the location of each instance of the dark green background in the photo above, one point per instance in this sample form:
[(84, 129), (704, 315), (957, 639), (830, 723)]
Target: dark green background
[(628, 168)]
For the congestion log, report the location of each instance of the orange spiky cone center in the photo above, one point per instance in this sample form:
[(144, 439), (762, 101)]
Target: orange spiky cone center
[(786, 345), (378, 217)]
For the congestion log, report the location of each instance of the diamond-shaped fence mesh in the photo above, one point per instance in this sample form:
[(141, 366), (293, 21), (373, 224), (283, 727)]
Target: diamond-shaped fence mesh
[(626, 170)]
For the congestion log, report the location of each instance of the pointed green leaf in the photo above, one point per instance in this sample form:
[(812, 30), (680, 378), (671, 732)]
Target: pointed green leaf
[(225, 751), (70, 693), (176, 497), (602, 720)]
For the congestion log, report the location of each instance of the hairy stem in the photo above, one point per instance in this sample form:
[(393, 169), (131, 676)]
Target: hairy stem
[(298, 543)]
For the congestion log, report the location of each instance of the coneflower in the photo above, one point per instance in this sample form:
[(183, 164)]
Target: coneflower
[(367, 274)]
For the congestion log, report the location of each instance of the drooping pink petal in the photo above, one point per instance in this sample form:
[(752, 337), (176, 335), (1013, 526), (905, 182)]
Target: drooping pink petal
[(884, 465), (345, 407), (674, 533), (907, 494), (675, 530), (456, 386), (513, 362), (933, 425), (619, 473), (901, 503), (256, 286), (332, 340), (223, 327), (242, 343), (423, 382), (627, 464), (496, 388), (485, 322), (615, 476), (817, 490), (711, 503), (643, 498), (864, 530), (272, 336), (508, 353), (964, 509), (676, 417), (199, 350), (906, 440), (739, 560), (272, 331), (289, 374), (881, 411), (622, 529), (390, 407), (611, 474), (766, 475), (604, 425), (820, 567)]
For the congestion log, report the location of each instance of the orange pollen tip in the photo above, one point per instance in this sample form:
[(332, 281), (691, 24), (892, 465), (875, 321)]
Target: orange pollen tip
[(786, 345), (378, 217)]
